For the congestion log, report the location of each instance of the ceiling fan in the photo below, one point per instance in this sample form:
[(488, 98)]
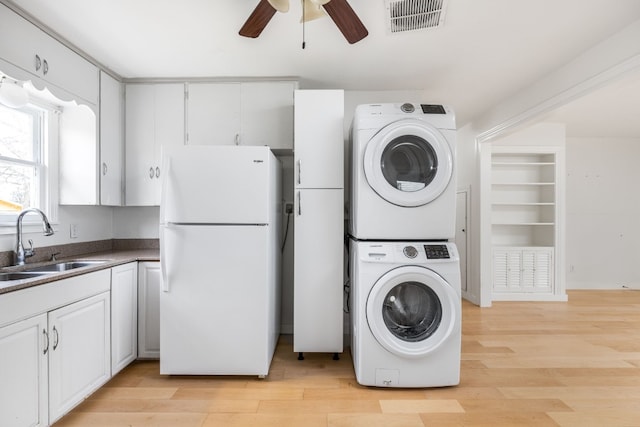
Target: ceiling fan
[(339, 10)]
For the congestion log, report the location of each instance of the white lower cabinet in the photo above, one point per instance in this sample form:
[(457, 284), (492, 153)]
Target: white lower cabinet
[(55, 348), (149, 283), (523, 270), (79, 352), (23, 370), (124, 316)]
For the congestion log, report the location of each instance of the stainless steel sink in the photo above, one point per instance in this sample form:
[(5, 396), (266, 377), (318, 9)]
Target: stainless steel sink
[(19, 275), (64, 266)]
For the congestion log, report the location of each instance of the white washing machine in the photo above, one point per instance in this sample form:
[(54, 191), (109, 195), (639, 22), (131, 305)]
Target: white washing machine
[(405, 306), (403, 178)]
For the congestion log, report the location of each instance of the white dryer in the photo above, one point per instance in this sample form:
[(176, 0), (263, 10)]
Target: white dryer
[(405, 306), (403, 177)]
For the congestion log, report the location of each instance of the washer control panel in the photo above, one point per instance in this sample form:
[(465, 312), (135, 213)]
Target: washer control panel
[(437, 251), (408, 252)]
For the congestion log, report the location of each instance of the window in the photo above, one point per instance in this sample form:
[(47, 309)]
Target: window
[(24, 174)]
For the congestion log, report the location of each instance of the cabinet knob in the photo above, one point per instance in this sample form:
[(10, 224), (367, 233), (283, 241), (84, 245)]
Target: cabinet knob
[(237, 139), (151, 173), (45, 67), (46, 341), (38, 62), (104, 168), (157, 172)]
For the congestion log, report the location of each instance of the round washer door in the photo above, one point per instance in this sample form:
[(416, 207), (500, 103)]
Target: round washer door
[(408, 163), (411, 311)]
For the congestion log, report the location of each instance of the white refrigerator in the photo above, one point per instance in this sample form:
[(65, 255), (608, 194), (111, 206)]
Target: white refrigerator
[(220, 216)]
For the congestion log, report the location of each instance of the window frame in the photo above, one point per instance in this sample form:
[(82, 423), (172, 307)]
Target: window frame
[(46, 151)]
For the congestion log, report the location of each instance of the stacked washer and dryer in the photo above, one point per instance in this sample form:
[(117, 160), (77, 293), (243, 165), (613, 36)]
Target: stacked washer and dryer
[(405, 299)]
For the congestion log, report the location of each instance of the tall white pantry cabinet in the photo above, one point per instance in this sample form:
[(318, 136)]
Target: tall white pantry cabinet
[(318, 221)]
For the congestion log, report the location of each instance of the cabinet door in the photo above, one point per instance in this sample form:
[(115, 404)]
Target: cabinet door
[(111, 143), (507, 266), (213, 113), (149, 284), (23, 369), (318, 241), (124, 316), (43, 56), (139, 144), (319, 139), (267, 114), (537, 270), (154, 123), (79, 354)]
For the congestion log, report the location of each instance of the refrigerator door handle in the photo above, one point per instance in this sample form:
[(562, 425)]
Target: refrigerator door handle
[(299, 171), (163, 259), (164, 188), (299, 204)]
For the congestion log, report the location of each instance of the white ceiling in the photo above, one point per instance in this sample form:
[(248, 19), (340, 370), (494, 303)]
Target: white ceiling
[(485, 51)]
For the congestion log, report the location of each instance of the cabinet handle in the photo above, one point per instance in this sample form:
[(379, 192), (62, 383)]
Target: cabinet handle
[(45, 67), (151, 173), (38, 62), (56, 338), (237, 139), (157, 172), (46, 341), (299, 171), (299, 204), (104, 168)]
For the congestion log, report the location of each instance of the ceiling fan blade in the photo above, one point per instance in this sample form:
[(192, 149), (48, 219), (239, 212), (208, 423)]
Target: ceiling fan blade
[(346, 20), (258, 20)]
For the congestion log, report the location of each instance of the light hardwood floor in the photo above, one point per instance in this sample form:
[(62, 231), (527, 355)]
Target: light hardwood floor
[(523, 364)]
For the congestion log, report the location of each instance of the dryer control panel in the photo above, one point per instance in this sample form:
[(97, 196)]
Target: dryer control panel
[(437, 251)]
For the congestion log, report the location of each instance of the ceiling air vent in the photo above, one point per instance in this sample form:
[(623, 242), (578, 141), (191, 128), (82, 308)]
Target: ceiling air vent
[(411, 15)]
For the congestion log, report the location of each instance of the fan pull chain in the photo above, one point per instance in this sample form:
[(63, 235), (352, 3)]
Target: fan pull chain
[(304, 43)]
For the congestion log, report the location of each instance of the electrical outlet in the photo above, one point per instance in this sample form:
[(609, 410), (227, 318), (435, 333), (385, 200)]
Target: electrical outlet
[(288, 208), (73, 231)]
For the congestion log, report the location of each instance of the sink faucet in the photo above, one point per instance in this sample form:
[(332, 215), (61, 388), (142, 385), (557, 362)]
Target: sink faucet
[(21, 253)]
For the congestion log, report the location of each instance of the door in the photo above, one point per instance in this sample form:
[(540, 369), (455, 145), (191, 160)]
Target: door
[(412, 311), (218, 185), (111, 140), (267, 114), (23, 369), (149, 283), (213, 114), (408, 163), (124, 311), (319, 139), (318, 271), (79, 353), (215, 299), (461, 237)]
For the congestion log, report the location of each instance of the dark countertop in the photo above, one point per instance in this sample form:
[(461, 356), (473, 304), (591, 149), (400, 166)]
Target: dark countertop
[(111, 258)]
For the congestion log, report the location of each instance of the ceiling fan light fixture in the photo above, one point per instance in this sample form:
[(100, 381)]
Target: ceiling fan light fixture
[(280, 5), (311, 10)]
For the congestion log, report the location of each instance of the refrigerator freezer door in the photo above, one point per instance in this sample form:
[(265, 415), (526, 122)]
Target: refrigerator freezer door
[(218, 185), (217, 307)]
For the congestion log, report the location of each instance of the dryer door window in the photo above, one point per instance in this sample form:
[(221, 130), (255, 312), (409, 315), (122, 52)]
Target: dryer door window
[(408, 163), (412, 311)]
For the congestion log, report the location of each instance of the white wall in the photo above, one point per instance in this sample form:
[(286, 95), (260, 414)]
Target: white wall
[(603, 212)]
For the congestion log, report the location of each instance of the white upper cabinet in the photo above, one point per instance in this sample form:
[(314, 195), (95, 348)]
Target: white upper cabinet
[(55, 66), (154, 123), (319, 133), (247, 113), (111, 140)]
